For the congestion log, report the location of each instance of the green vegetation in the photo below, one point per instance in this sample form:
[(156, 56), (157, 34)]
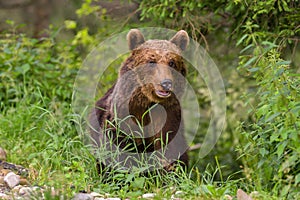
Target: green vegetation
[(254, 43)]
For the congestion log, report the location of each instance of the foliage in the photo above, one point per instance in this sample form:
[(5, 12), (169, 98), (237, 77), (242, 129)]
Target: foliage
[(91, 26), (273, 138), (27, 61), (271, 19)]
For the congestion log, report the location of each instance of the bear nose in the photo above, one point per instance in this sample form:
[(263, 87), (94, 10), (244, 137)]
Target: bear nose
[(166, 84)]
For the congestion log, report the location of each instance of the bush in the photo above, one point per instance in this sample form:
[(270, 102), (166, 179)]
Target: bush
[(271, 147), (29, 65)]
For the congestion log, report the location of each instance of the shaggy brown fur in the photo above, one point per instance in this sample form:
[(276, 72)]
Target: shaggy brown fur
[(153, 74)]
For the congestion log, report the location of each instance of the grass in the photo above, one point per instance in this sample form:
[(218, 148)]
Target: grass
[(40, 138), (38, 131)]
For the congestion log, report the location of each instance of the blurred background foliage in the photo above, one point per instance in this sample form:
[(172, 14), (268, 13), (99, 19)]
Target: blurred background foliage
[(255, 44)]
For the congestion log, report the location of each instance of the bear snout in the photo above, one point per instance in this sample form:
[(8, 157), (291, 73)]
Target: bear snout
[(166, 84), (165, 88)]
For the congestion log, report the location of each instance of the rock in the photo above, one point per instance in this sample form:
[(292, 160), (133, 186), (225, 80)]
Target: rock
[(228, 197), (12, 180), (254, 194), (148, 195), (4, 196), (16, 189), (25, 191), (2, 154), (179, 193), (113, 198), (36, 188), (241, 195), (83, 196), (95, 194), (175, 198), (99, 198)]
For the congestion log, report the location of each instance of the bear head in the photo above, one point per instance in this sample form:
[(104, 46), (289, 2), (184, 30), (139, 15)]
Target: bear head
[(159, 64)]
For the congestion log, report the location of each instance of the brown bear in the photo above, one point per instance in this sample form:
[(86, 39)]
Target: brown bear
[(141, 112)]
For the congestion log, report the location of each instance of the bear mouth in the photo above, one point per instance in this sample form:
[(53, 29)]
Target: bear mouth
[(163, 93)]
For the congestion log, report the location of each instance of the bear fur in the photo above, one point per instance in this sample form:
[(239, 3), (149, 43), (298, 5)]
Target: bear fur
[(150, 83)]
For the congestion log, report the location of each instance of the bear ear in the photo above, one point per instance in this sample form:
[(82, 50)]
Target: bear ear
[(181, 39), (135, 38)]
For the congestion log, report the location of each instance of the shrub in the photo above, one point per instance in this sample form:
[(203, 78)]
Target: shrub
[(29, 65), (271, 147)]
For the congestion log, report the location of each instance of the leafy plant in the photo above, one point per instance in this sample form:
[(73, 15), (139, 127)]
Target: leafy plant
[(43, 65), (271, 154)]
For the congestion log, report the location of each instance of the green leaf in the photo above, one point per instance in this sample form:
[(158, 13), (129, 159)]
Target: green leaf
[(273, 137), (297, 179), (241, 40), (284, 62), (263, 151), (284, 135), (70, 24), (280, 148), (10, 22), (250, 61), (129, 178), (24, 68), (295, 108), (246, 48), (273, 116), (271, 44), (262, 110), (254, 69), (138, 182), (279, 72), (285, 190)]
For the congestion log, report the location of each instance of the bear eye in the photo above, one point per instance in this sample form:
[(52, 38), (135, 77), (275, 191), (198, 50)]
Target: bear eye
[(172, 64), (152, 62)]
